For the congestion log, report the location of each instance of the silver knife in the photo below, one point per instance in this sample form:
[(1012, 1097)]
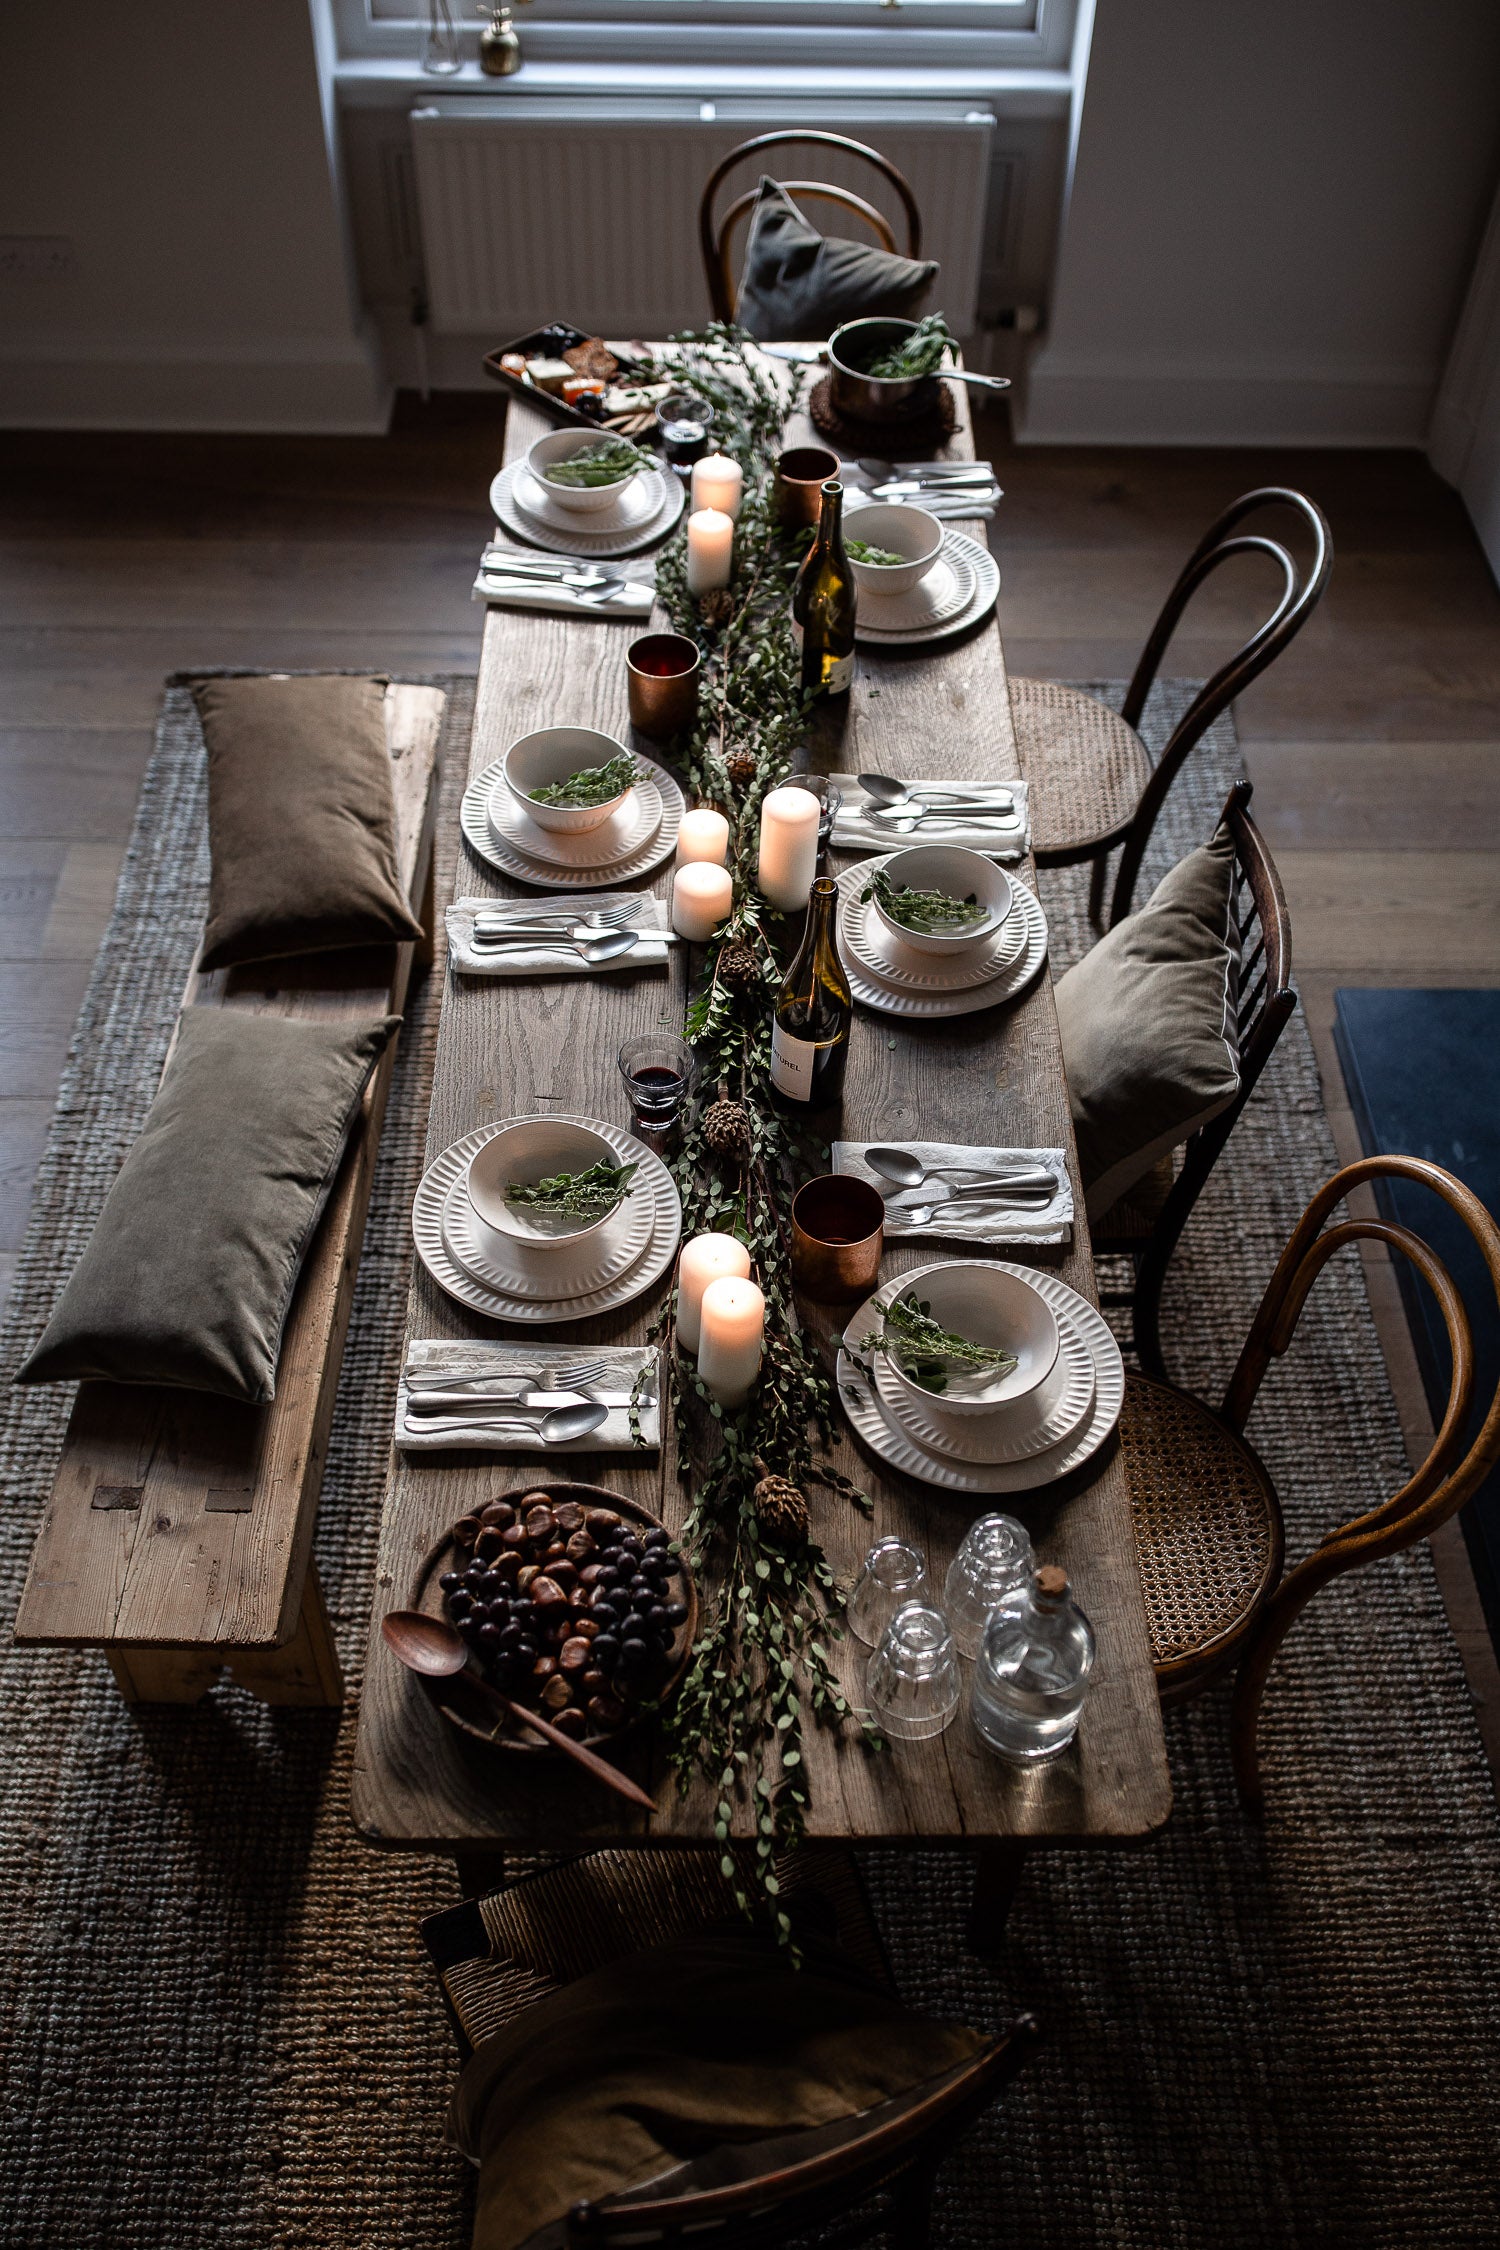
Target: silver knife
[(527, 1403)]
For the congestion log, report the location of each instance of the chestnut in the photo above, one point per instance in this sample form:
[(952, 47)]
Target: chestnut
[(540, 1523), (527, 1575), (572, 1723), (556, 1695), (514, 1536), (579, 1548), (561, 1572), (569, 1516), (487, 1546), (544, 1667), (600, 1519), (497, 1512), (573, 1656), (607, 1709), (545, 1591), (466, 1530), (585, 1628)]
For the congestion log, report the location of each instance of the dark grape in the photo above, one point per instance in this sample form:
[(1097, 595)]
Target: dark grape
[(513, 1640), (657, 1614), (634, 1651), (449, 1580), (460, 1602), (475, 1575), (657, 1538), (632, 1548), (677, 1613), (606, 1647), (607, 1578), (488, 1635)]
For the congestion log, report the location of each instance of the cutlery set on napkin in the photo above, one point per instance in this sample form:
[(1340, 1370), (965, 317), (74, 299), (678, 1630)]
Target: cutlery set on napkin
[(952, 490), (527, 1398), (577, 585), (951, 1192), (881, 814), (588, 933)]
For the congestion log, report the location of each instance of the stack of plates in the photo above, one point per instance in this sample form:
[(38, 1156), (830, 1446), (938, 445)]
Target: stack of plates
[(959, 589), (636, 838), (1032, 1441), (900, 981), (605, 1268), (645, 512)]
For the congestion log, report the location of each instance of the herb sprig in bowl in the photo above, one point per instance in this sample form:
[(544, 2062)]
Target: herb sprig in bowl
[(927, 912), (590, 785), (609, 460), (920, 353), (576, 1195), (928, 1352)]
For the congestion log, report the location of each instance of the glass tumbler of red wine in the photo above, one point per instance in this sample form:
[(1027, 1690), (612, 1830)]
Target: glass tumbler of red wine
[(660, 1072)]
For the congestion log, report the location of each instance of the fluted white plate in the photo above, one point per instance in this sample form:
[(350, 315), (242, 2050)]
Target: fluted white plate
[(508, 859), (886, 1437), (956, 547), (645, 512), (573, 1269), (1012, 976), (947, 588), (863, 934), (501, 1304), (1043, 1418), (628, 830)]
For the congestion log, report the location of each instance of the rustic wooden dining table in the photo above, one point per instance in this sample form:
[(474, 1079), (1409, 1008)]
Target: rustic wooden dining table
[(514, 1048)]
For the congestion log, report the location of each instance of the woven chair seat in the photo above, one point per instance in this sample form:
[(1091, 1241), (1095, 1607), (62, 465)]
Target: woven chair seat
[(1207, 1530), (1086, 768)]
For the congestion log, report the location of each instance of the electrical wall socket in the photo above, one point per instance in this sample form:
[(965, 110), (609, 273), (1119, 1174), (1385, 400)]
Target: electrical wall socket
[(36, 257)]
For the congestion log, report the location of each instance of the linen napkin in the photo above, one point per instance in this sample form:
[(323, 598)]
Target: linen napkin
[(853, 833), (990, 1222), (526, 1367), (634, 599), (471, 960)]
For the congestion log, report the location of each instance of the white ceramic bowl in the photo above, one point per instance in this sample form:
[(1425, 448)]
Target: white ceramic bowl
[(534, 1148), (551, 754), (950, 868), (988, 1306), (561, 445), (911, 532)]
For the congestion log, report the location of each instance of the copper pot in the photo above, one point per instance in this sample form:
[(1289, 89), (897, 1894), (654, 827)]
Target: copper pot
[(876, 398)]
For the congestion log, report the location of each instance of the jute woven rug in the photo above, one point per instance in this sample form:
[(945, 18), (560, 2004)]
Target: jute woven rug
[(220, 2031)]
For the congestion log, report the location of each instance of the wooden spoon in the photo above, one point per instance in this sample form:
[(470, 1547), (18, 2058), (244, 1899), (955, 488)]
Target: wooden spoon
[(426, 1645)]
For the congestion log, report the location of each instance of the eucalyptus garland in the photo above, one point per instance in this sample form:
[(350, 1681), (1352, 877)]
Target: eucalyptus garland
[(761, 1663)]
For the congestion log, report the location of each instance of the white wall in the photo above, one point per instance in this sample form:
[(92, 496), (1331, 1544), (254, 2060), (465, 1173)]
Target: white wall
[(181, 145), (1274, 212)]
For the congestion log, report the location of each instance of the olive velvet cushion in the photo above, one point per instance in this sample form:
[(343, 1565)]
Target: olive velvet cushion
[(1149, 1038), (301, 819), (188, 1274), (660, 2058), (800, 283)]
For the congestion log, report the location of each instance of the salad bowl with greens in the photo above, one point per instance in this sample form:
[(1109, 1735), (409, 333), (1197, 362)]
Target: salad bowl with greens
[(891, 547), (939, 898), (569, 779), (543, 1182), (970, 1336), (585, 470)]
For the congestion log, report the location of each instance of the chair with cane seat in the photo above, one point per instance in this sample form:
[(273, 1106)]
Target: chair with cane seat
[(1208, 1523), (716, 236), (1093, 783)]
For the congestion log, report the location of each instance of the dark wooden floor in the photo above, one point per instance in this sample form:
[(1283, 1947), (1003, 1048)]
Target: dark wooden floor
[(1374, 744)]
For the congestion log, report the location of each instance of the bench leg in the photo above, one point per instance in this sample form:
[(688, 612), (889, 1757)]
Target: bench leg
[(163, 1675), (426, 946), (306, 1671)]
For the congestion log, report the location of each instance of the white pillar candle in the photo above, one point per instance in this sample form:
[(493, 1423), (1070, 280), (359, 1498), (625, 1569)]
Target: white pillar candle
[(733, 1322), (710, 554), (702, 896), (788, 847), (707, 1258), (718, 483), (702, 834)]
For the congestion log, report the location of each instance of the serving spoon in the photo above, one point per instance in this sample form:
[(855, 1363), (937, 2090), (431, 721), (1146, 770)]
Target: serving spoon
[(890, 794), (429, 1647), (908, 1171)]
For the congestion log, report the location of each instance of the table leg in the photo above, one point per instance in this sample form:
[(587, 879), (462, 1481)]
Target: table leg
[(478, 1870), (998, 1869)]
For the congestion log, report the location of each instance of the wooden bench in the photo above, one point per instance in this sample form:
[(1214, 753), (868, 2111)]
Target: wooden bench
[(178, 1535)]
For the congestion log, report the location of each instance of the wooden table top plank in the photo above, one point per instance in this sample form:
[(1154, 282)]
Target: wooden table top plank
[(993, 1077)]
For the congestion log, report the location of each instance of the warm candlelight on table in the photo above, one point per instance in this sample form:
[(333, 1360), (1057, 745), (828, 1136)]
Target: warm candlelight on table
[(703, 835), (702, 896), (706, 1259), (732, 1324), (710, 555), (788, 847), (718, 483)]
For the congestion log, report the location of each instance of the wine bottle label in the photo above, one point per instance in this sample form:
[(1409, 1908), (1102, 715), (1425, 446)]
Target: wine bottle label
[(792, 1063), (839, 677)]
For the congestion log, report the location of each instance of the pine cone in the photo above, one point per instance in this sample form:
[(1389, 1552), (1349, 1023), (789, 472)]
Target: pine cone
[(716, 608), (739, 968), (726, 1128), (781, 1508), (740, 766)]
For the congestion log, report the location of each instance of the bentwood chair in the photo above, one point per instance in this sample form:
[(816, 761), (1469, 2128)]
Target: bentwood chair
[(1093, 782), (715, 236), (1208, 1523), (497, 1956), (1146, 1224)]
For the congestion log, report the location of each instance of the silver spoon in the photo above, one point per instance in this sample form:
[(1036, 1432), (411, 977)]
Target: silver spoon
[(885, 790), (584, 942), (909, 1171), (553, 1429)]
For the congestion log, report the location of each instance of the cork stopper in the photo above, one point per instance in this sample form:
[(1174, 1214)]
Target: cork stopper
[(1051, 1582)]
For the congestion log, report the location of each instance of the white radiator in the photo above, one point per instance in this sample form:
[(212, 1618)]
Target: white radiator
[(533, 210)]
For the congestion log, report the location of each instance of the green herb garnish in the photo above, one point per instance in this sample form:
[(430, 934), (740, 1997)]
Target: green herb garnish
[(591, 785), (920, 353), (577, 1195), (926, 912), (881, 557), (607, 460), (926, 1352)]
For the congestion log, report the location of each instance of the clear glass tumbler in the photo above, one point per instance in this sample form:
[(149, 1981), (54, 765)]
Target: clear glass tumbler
[(912, 1680), (993, 1565), (893, 1572)]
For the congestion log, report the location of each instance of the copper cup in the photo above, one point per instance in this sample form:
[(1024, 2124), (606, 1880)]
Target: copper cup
[(797, 488), (663, 669), (838, 1232)]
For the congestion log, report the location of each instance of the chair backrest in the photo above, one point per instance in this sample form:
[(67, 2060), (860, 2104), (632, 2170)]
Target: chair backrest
[(1265, 1004), (799, 2181), (715, 238), (1302, 590)]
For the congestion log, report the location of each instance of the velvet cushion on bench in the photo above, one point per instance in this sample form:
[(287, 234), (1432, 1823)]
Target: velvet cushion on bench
[(188, 1275), (301, 819)]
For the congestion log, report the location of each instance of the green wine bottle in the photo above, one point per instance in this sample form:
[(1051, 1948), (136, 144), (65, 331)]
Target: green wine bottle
[(823, 604), (810, 1029)]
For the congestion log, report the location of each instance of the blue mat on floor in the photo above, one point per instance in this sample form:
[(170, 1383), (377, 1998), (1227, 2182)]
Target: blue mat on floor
[(1423, 1072)]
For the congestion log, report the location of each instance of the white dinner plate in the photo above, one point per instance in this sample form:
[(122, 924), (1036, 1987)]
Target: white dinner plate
[(553, 1276), (862, 933), (947, 588), (986, 588), (509, 859), (629, 828), (646, 512), (874, 991), (1043, 1418), (466, 1289), (893, 1444)]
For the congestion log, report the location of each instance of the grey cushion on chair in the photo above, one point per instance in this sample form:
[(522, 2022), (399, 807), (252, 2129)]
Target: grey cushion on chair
[(301, 819), (1149, 1036), (188, 1275), (799, 283)]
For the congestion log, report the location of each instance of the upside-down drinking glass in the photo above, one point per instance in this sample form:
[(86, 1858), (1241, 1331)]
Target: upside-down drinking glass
[(893, 1572), (993, 1564), (912, 1682)]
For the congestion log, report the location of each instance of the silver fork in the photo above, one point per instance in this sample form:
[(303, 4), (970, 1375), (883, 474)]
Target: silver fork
[(504, 916), (525, 1378)]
